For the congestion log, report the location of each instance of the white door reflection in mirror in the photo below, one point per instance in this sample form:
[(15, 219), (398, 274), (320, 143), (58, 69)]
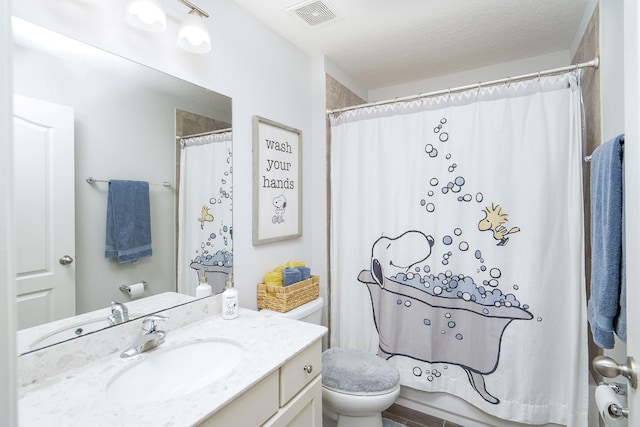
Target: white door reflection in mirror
[(44, 200)]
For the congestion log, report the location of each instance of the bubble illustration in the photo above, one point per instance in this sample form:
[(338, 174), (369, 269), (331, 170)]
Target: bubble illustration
[(427, 322), (417, 372), (495, 273), (447, 240), (444, 137), (449, 285), (478, 254), (448, 156), (451, 324), (431, 207), (463, 246), (457, 231), (434, 182), (423, 202), (479, 197), (429, 148), (458, 336)]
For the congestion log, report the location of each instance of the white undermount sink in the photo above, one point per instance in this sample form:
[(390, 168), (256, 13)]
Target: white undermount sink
[(172, 372)]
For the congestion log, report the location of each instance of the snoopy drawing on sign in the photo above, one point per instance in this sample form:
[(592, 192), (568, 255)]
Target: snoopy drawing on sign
[(280, 204)]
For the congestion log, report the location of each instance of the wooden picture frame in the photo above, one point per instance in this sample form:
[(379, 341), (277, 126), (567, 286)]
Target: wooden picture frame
[(277, 181)]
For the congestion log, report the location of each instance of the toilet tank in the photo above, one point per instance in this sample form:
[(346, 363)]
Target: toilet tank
[(310, 312)]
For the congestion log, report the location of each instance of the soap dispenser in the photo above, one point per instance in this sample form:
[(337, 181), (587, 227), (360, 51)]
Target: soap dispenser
[(204, 288), (230, 300)]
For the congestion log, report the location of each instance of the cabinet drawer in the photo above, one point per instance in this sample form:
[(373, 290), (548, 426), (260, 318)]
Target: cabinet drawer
[(297, 373)]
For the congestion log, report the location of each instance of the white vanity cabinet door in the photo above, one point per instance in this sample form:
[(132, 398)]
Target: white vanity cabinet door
[(304, 410), (289, 397), (299, 371), (252, 408)]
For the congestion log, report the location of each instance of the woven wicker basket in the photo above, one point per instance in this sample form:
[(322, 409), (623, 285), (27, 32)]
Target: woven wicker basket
[(283, 299)]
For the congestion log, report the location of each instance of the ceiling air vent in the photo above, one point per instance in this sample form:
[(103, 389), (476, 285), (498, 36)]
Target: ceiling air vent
[(314, 12)]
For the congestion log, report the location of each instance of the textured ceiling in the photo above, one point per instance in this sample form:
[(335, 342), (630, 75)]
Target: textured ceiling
[(383, 43)]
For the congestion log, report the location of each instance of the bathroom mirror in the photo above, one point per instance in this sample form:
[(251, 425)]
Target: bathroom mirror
[(126, 118)]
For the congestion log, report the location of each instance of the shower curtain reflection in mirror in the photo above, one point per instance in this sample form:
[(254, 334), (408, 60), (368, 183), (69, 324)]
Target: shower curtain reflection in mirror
[(205, 211)]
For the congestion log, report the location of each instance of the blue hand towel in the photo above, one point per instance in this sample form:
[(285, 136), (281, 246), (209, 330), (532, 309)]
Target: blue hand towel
[(605, 309), (290, 276), (128, 221), (305, 272)]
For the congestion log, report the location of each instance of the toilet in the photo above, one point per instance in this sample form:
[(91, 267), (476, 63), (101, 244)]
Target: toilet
[(356, 386)]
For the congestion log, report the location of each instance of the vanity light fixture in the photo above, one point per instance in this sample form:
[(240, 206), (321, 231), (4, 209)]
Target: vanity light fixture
[(148, 15)]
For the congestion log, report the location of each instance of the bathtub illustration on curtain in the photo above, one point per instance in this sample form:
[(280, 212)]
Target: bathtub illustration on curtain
[(444, 318), (214, 256)]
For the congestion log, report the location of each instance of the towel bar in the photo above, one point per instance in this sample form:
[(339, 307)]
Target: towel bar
[(92, 180)]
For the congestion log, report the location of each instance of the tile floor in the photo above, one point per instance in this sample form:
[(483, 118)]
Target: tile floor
[(412, 418)]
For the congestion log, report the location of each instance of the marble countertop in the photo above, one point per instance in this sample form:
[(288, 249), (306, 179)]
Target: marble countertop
[(77, 397)]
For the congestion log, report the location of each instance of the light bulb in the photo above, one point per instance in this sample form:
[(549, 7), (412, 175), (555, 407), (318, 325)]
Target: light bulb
[(147, 15), (193, 35)]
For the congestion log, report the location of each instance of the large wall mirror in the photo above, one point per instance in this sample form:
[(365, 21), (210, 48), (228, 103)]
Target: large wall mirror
[(82, 117)]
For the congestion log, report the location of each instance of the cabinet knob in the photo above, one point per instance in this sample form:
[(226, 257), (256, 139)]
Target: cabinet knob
[(308, 368)]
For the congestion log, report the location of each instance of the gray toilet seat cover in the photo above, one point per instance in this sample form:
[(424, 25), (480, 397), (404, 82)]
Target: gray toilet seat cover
[(357, 371)]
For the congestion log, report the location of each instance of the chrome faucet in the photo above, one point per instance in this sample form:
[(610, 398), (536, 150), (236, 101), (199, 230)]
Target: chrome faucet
[(119, 313), (151, 337)]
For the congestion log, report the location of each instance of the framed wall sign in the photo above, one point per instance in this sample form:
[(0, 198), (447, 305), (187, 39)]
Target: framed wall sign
[(277, 181)]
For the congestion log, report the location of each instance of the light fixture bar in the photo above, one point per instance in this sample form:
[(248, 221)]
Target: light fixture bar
[(194, 7)]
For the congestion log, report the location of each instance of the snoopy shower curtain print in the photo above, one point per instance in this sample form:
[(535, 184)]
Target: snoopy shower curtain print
[(205, 242), (457, 245)]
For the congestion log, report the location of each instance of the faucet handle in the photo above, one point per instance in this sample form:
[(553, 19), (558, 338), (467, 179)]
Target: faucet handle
[(119, 313), (151, 320)]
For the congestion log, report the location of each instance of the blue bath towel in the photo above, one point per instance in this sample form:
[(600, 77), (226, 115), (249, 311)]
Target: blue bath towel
[(128, 221), (606, 309)]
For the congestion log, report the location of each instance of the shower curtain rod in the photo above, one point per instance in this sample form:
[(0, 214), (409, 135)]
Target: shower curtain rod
[(204, 133), (593, 63)]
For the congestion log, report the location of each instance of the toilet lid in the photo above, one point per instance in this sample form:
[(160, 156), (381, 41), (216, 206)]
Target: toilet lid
[(357, 371)]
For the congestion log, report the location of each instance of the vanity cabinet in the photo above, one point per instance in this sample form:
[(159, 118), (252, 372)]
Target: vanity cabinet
[(288, 397)]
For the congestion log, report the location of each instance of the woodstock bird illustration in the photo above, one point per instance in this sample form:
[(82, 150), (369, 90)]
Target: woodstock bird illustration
[(493, 220), (205, 216)]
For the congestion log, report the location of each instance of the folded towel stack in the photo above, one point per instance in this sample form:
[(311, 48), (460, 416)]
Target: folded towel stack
[(288, 274), (273, 278)]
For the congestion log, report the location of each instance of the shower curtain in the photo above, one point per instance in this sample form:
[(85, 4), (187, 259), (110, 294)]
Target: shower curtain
[(205, 212), (457, 245)]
